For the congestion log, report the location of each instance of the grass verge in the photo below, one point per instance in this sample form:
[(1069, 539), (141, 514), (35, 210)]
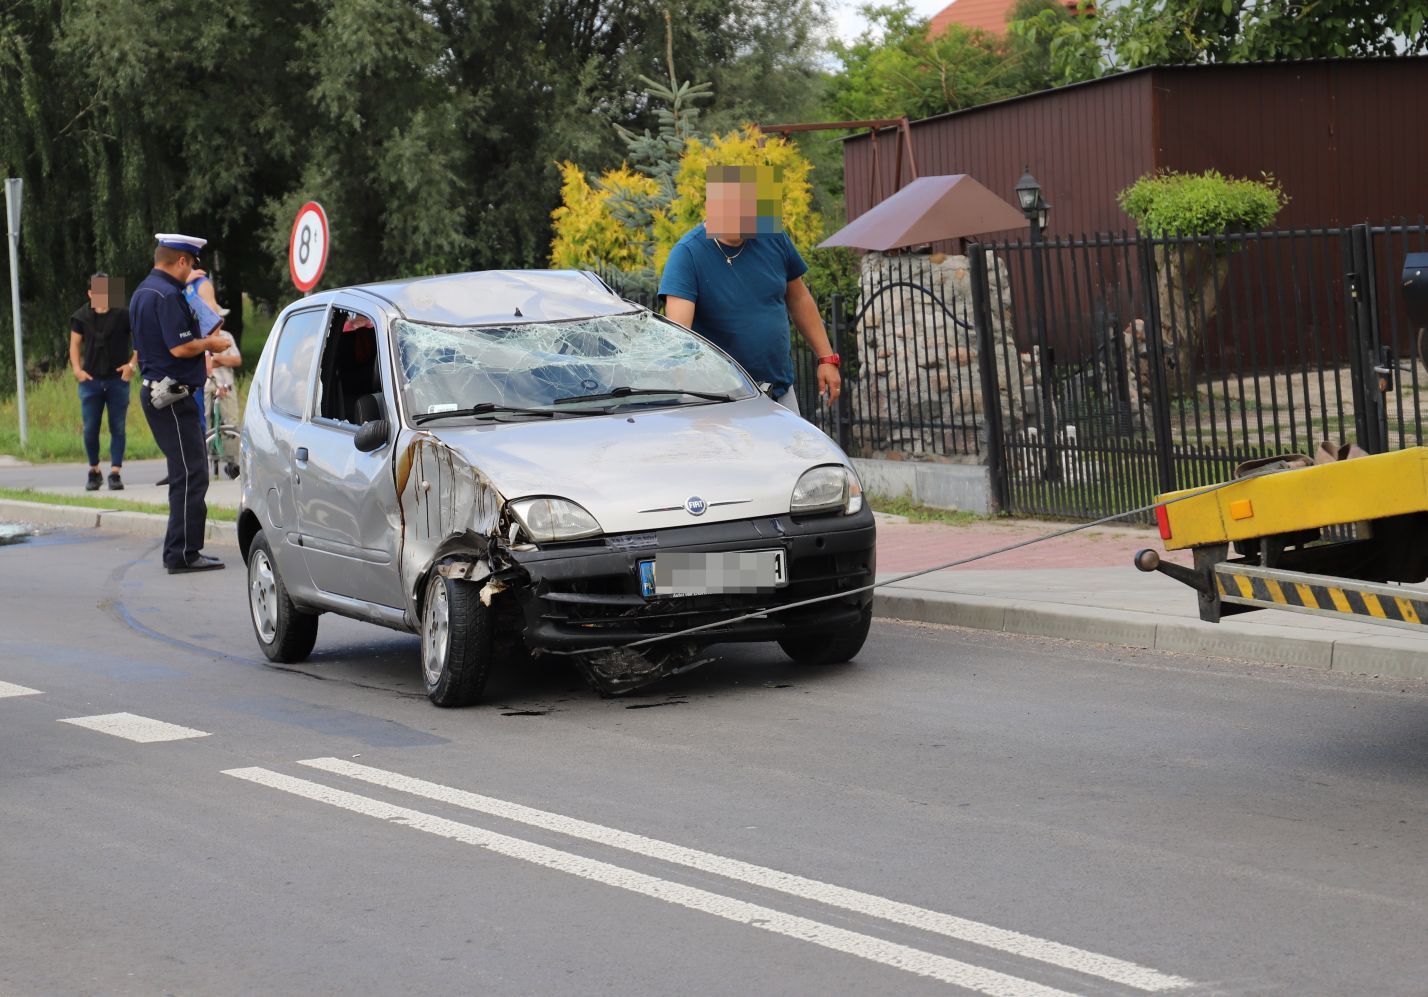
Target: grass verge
[(112, 504), (918, 513)]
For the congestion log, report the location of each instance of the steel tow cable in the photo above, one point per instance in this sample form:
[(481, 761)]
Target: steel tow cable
[(762, 613)]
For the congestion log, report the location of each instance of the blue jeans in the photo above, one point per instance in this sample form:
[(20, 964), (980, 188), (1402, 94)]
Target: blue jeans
[(94, 397)]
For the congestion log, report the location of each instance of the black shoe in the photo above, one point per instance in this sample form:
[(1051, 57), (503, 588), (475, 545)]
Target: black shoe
[(162, 481), (92, 483), (116, 483), (231, 469), (199, 562)]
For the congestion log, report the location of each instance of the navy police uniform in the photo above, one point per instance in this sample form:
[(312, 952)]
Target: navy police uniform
[(161, 319)]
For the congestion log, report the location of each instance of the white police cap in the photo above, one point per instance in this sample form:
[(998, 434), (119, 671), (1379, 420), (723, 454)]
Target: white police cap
[(183, 243)]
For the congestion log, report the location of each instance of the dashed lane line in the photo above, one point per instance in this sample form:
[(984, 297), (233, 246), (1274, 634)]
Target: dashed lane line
[(1012, 942), (877, 950), (135, 728), (8, 689)]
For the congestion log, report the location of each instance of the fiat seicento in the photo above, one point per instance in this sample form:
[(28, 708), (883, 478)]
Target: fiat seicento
[(519, 462)]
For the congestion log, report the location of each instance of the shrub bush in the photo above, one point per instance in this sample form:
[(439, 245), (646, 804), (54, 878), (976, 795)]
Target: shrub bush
[(1209, 203)]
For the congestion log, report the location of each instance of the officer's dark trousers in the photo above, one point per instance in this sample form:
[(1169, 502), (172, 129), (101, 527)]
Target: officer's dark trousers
[(179, 434)]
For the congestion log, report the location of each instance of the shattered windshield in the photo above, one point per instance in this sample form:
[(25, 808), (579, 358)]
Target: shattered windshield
[(637, 356)]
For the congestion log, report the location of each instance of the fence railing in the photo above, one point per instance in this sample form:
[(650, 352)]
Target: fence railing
[(1090, 374)]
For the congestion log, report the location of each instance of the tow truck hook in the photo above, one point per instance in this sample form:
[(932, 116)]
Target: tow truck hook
[(1149, 560)]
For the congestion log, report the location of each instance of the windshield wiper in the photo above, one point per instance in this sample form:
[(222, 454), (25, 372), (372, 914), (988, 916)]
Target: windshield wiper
[(481, 408), (625, 392)]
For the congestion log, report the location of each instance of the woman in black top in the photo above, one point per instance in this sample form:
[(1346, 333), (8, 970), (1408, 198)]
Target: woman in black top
[(101, 354)]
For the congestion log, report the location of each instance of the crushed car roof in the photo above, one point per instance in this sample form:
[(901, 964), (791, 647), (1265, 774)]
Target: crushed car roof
[(504, 297)]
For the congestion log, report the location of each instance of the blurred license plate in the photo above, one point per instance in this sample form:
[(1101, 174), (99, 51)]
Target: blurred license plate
[(679, 574)]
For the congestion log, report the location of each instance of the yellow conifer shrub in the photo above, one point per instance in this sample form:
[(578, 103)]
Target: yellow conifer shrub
[(587, 233), (739, 148)]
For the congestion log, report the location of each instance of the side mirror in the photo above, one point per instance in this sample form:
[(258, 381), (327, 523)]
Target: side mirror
[(372, 435)]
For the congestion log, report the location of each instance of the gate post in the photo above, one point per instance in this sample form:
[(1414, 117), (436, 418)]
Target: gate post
[(1370, 409), (987, 369), (1159, 399), (843, 407)]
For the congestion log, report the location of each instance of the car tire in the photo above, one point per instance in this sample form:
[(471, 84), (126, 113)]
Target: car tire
[(831, 648), (456, 642), (285, 633)]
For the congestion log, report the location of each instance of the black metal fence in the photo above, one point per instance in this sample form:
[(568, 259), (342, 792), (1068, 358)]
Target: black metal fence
[(1090, 374)]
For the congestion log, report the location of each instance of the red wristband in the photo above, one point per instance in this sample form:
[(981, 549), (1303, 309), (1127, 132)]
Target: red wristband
[(832, 359)]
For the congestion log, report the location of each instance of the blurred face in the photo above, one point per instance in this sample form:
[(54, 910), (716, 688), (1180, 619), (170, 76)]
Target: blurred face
[(731, 210), (99, 293), (742, 202)]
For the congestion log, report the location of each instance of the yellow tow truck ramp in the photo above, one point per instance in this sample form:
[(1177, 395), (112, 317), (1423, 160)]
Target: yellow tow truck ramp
[(1275, 522)]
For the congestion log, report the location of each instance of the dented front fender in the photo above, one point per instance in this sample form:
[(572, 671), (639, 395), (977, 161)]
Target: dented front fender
[(448, 512)]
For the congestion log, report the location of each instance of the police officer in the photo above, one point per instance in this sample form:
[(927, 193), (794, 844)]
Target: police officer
[(166, 336)]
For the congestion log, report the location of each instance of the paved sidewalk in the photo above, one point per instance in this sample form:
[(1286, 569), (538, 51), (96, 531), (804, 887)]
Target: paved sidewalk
[(139, 477), (1080, 587)]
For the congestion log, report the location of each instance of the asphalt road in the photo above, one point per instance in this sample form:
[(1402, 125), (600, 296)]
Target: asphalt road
[(955, 812)]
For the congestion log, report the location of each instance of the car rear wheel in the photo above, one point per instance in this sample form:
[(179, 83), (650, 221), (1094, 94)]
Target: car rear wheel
[(456, 642), (284, 632), (830, 648)]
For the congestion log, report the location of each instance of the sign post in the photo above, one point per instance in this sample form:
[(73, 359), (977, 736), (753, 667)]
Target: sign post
[(307, 247), (14, 188)]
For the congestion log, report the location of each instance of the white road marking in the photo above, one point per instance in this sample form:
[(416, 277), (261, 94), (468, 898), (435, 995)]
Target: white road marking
[(977, 978), (1013, 942), (134, 728), (8, 689)]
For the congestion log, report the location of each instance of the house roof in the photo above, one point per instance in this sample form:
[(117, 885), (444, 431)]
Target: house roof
[(987, 15)]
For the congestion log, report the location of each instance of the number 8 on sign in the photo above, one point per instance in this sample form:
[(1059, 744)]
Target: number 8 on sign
[(307, 248)]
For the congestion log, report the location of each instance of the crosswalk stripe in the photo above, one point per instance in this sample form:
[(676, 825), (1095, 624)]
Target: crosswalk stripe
[(911, 960), (135, 728), (1012, 942), (8, 689)]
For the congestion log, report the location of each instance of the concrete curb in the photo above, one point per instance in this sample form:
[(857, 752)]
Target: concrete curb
[(139, 524), (1390, 655)]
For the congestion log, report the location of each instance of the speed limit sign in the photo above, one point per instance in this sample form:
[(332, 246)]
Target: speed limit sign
[(307, 248)]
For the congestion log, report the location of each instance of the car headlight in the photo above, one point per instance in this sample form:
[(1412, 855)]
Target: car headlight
[(548, 518), (827, 489)]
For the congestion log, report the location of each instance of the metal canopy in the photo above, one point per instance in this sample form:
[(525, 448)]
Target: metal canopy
[(929, 209)]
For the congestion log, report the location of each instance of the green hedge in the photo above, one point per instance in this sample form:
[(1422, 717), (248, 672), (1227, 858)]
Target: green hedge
[(1209, 203)]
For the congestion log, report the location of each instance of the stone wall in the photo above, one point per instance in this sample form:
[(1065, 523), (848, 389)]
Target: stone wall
[(919, 390)]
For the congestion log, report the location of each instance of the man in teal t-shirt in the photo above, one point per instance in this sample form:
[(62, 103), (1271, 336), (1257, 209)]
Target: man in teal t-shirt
[(737, 279)]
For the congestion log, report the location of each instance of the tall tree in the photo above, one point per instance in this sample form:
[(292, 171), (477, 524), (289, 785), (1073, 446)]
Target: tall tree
[(1135, 33), (430, 129), (898, 68)]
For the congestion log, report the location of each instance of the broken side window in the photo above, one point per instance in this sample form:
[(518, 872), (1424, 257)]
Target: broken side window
[(350, 371)]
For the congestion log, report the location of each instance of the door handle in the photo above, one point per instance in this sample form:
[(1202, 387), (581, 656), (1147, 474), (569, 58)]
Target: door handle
[(302, 454)]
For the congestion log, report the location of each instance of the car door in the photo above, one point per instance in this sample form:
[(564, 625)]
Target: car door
[(285, 381), (346, 499)]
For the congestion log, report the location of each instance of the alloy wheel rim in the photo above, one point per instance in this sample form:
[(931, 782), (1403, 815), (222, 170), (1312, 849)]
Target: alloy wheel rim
[(435, 634), (263, 597)]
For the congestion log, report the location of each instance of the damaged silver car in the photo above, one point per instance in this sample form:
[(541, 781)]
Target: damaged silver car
[(520, 462)]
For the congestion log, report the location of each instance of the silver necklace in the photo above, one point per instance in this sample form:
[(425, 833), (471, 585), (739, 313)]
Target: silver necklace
[(727, 258)]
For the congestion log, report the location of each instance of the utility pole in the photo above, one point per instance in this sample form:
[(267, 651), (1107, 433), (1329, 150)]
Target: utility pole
[(14, 189)]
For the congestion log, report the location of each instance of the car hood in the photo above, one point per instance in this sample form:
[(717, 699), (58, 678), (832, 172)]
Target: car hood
[(634, 470)]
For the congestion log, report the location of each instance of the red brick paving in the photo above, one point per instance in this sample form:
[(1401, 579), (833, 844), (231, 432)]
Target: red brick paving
[(915, 546)]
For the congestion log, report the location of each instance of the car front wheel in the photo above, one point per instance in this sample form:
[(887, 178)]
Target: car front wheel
[(285, 633), (830, 648), (456, 642)]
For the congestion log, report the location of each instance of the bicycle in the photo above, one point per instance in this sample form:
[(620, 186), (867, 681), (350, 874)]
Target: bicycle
[(216, 440)]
